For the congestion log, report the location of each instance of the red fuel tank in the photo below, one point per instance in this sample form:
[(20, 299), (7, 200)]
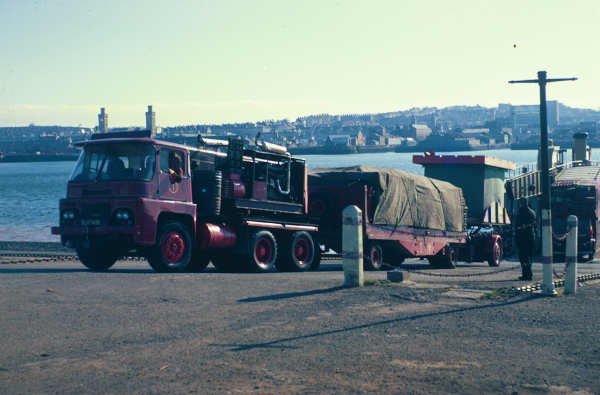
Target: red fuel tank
[(216, 236)]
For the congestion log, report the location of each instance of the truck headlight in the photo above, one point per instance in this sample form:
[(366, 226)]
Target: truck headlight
[(68, 217), (123, 216)]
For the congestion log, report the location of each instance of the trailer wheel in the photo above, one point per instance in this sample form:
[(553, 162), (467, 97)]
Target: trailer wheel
[(296, 253), (449, 258), (173, 250), (199, 262), (262, 252), (495, 255), (446, 258), (97, 257), (374, 256)]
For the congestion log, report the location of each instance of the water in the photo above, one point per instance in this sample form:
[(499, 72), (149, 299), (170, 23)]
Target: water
[(29, 192)]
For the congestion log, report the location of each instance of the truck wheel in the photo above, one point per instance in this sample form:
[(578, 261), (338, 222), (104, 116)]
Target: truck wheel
[(374, 256), (200, 259), (317, 259), (96, 257), (495, 255), (297, 253), (173, 250), (262, 252)]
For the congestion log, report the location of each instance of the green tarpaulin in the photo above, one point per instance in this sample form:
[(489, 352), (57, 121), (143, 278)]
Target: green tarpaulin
[(402, 199)]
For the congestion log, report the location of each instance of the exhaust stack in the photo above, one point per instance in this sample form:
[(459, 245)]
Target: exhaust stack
[(580, 149)]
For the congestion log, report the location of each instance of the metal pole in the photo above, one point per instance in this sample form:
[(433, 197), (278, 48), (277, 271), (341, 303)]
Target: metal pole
[(571, 256), (542, 80), (548, 284)]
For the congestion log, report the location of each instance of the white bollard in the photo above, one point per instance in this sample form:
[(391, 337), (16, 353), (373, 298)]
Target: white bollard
[(352, 247), (571, 256)]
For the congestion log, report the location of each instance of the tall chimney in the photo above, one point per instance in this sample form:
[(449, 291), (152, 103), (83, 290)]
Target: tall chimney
[(102, 121), (151, 120)]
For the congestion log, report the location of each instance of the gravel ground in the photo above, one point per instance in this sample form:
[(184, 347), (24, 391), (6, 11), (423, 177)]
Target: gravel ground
[(69, 330)]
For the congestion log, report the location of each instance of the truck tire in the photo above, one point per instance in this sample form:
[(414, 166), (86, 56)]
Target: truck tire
[(262, 252), (206, 191), (373, 256), (172, 252), (97, 257), (296, 253), (496, 254), (199, 262), (317, 259)]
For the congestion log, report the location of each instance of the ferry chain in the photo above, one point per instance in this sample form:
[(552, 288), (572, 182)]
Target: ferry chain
[(41, 258), (561, 237), (537, 286), (488, 273)]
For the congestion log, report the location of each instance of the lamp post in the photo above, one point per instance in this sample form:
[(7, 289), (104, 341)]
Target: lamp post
[(542, 80)]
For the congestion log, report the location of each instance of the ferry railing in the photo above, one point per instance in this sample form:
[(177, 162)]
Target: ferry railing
[(527, 184), (521, 169)]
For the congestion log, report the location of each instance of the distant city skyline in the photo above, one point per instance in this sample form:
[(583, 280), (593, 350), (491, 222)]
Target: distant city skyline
[(202, 62), (104, 123)]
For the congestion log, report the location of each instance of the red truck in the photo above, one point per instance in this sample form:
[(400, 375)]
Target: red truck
[(181, 207)]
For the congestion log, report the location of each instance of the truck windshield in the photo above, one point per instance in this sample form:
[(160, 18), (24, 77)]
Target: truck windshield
[(115, 162)]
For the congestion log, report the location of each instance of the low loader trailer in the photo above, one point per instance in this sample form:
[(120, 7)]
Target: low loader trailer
[(404, 216)]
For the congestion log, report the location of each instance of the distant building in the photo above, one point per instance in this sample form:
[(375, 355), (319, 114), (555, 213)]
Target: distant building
[(552, 113), (390, 140), (102, 121), (151, 120), (476, 131), (420, 132), (528, 116), (338, 139)]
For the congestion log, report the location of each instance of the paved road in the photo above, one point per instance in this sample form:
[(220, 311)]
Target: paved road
[(66, 330)]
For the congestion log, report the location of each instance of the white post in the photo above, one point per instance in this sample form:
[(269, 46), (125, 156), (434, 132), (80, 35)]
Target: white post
[(548, 284), (571, 256), (352, 246)]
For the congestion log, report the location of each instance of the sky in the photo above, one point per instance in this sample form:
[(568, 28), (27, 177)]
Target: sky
[(225, 61)]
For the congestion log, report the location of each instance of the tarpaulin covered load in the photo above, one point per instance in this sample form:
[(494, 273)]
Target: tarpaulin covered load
[(403, 199)]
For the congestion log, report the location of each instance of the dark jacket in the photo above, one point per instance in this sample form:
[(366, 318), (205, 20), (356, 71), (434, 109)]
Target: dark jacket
[(525, 225)]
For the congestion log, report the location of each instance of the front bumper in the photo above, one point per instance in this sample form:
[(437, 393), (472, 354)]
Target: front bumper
[(85, 231)]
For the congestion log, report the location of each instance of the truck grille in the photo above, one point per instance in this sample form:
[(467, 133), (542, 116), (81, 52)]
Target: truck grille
[(95, 214)]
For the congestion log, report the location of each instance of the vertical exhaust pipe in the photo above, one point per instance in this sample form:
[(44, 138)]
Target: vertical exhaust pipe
[(580, 148)]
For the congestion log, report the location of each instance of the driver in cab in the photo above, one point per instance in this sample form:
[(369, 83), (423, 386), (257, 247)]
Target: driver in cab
[(175, 168)]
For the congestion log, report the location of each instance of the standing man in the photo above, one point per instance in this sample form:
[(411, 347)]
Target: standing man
[(525, 235)]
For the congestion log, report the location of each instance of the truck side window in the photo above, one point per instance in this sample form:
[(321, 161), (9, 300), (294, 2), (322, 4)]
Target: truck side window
[(164, 160), (171, 158), (172, 163)]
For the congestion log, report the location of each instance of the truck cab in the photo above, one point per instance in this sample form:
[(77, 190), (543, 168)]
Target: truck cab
[(123, 185)]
